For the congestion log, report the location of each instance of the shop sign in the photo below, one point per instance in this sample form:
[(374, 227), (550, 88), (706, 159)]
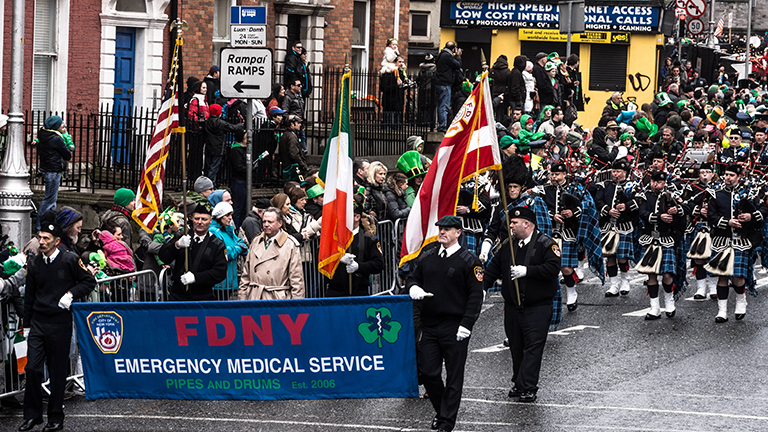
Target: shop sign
[(592, 37), (633, 19)]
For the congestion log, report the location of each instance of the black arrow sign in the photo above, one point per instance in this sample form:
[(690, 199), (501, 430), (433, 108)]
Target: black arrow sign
[(239, 86)]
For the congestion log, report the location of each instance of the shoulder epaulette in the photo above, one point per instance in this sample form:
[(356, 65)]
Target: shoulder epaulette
[(468, 256)]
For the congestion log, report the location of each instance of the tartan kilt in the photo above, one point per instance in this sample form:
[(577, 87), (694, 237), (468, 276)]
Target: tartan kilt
[(626, 248), (473, 241), (742, 263), (668, 261), (570, 254)]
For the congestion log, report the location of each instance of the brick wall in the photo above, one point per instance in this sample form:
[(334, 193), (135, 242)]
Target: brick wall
[(197, 51), (84, 56)]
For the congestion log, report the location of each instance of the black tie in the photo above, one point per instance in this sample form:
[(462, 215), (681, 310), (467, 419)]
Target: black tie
[(198, 240), (443, 254)]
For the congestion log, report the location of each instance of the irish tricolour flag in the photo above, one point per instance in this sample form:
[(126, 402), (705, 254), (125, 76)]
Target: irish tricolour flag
[(336, 177)]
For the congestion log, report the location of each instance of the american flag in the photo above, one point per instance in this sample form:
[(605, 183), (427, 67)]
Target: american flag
[(150, 192), (720, 25)]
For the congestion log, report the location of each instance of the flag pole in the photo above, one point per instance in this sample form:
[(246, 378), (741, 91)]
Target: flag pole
[(506, 209), (347, 69), (180, 25)]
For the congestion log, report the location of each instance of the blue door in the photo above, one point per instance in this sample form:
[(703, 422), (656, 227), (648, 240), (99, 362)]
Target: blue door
[(125, 55)]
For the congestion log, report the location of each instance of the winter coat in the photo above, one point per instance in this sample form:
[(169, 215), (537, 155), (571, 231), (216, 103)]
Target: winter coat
[(238, 167), (500, 74), (517, 88), (212, 267), (447, 65), (198, 108), (273, 273), (214, 87), (610, 112), (293, 104), (151, 244), (52, 150), (118, 254), (252, 226), (119, 215), (530, 91), (599, 149), (295, 69), (235, 247), (426, 83), (397, 207), (216, 130), (291, 152), (376, 200)]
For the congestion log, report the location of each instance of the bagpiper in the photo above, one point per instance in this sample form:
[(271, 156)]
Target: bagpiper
[(663, 224), (736, 217), (698, 240), (619, 209)]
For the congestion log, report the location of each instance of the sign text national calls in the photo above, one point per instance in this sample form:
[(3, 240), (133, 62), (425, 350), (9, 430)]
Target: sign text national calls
[(635, 19)]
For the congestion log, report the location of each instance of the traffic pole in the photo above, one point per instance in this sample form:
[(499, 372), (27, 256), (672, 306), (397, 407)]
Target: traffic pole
[(249, 152)]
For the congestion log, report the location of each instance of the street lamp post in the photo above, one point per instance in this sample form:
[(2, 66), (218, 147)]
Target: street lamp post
[(15, 194)]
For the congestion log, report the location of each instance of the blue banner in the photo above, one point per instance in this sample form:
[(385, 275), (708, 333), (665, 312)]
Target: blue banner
[(256, 15), (360, 347), (633, 19)]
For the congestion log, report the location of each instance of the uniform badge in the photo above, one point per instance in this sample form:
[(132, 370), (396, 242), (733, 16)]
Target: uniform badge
[(479, 273), (378, 246), (106, 328), (556, 250), (82, 266)]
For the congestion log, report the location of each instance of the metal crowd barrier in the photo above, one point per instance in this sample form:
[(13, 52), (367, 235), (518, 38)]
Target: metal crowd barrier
[(130, 287)]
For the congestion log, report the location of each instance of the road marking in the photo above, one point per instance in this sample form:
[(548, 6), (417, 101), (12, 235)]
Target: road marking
[(564, 332), (620, 408), (492, 349), (641, 312), (625, 393)]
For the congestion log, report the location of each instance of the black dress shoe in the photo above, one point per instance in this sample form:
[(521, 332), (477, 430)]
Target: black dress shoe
[(527, 396), (611, 294), (433, 426), (713, 296), (515, 392), (739, 317), (649, 317), (29, 424), (50, 426), (671, 314), (572, 307), (698, 297), (720, 320)]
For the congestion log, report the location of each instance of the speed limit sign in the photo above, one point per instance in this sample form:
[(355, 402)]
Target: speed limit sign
[(695, 26)]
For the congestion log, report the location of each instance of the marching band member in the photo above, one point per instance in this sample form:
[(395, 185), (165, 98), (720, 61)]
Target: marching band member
[(662, 233), (619, 209), (736, 218), (698, 241)]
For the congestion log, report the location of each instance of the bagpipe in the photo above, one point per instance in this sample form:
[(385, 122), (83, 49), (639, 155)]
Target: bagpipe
[(701, 247), (610, 239), (564, 201), (651, 261), (722, 263)]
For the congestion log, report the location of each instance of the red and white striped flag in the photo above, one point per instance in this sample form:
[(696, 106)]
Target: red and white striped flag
[(150, 192), (469, 148), (720, 25)]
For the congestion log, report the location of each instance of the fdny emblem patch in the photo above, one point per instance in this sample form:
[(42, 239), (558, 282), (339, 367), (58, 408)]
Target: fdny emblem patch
[(479, 273), (106, 328), (556, 250)]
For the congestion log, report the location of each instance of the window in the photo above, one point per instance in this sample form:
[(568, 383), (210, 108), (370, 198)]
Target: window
[(608, 75), (220, 27), (361, 18), (131, 6), (359, 24), (420, 24), (44, 54)]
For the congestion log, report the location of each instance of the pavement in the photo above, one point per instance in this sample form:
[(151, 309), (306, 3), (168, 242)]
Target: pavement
[(605, 369)]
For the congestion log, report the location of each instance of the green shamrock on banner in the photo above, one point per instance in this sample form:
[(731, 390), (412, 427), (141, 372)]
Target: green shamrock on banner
[(379, 326)]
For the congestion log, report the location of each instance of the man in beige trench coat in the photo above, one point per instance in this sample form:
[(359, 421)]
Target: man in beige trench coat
[(272, 269)]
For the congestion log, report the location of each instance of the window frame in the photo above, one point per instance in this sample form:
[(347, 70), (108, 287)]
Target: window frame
[(428, 25), (606, 75)]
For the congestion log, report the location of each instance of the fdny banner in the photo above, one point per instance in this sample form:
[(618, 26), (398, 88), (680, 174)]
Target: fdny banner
[(359, 347)]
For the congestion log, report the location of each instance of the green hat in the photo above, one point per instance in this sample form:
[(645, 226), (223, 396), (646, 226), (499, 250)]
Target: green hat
[(681, 104), (712, 89), (645, 125), (315, 191), (554, 57), (410, 164), (625, 136), (506, 141), (664, 99), (549, 66), (124, 196), (449, 221)]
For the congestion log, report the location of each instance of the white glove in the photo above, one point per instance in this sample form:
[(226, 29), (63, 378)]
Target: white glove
[(484, 294), (26, 333), (184, 241), (352, 267), (187, 278), (66, 301), (516, 272), (347, 259), (463, 333), (417, 293), (484, 250)]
